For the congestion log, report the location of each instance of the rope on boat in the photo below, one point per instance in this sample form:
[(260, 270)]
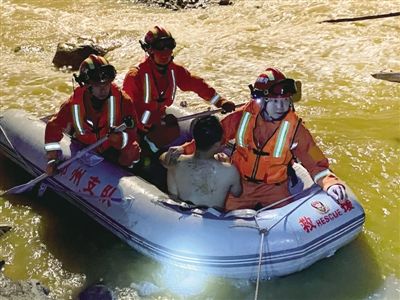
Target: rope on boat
[(264, 231)]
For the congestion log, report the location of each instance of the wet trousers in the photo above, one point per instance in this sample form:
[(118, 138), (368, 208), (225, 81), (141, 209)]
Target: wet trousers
[(258, 195), (124, 157)]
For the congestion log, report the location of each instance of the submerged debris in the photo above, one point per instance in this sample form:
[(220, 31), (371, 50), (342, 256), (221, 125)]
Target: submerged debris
[(4, 228)]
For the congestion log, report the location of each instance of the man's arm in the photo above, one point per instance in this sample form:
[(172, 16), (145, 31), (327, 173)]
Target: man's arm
[(58, 124), (54, 133), (129, 85), (230, 124), (166, 160), (171, 182), (236, 186), (317, 164)]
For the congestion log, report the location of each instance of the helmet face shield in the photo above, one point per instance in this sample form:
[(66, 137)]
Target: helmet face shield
[(284, 87), (102, 74), (164, 43), (158, 38), (95, 69)]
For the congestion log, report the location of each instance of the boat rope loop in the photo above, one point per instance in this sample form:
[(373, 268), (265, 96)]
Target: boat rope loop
[(21, 158), (263, 232)]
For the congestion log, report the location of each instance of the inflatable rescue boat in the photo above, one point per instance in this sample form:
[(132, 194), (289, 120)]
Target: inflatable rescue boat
[(245, 244)]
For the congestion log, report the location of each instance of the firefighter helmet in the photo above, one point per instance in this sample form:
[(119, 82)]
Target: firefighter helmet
[(95, 69)]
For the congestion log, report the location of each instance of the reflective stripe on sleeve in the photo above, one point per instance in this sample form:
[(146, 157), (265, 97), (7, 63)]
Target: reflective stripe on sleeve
[(173, 85), (77, 119), (145, 117), (111, 111), (146, 88), (214, 100), (52, 146), (321, 174), (124, 140)]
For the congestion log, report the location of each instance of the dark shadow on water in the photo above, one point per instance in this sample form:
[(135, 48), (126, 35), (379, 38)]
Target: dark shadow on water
[(352, 273)]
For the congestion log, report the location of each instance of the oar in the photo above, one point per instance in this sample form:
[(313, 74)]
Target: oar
[(296, 98), (204, 113), (27, 186), (389, 76)]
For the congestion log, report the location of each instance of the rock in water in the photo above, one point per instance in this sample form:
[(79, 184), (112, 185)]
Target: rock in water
[(22, 289), (70, 54), (97, 292)]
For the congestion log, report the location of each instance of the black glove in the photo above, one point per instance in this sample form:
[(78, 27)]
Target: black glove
[(53, 159), (129, 122), (170, 120), (227, 107)]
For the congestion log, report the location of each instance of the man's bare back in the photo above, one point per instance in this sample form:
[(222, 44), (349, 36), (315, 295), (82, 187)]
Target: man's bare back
[(202, 178), (203, 181)]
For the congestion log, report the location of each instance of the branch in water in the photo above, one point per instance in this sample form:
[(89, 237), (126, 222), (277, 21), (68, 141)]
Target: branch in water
[(396, 14)]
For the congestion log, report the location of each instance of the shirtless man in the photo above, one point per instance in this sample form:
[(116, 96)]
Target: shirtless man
[(201, 178)]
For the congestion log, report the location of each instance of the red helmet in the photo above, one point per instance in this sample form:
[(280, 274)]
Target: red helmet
[(274, 82), (94, 69), (158, 38)]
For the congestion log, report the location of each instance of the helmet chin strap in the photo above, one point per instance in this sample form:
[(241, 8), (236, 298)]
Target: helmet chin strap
[(266, 116), (96, 102), (264, 113), (162, 68)]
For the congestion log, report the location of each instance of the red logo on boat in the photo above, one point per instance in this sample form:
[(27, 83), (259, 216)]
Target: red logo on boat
[(318, 205), (106, 194), (77, 175), (307, 224), (347, 205), (93, 181)]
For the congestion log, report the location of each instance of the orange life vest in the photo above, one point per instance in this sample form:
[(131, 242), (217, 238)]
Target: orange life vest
[(84, 129), (268, 163)]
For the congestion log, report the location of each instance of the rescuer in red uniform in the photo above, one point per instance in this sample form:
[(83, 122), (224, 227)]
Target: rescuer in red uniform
[(94, 109), (153, 83)]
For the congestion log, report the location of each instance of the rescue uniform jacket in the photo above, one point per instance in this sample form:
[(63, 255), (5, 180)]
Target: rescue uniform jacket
[(152, 92), (264, 149), (89, 125)]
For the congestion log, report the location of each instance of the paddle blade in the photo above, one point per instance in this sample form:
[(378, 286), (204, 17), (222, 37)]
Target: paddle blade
[(24, 187), (18, 189)]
